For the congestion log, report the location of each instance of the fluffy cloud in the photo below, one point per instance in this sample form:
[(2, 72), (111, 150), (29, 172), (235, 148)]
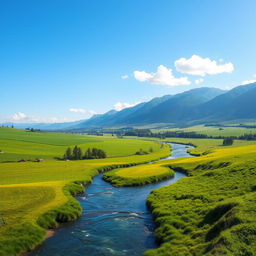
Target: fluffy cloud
[(23, 118), (199, 81), (248, 82), (122, 105), (125, 77), (18, 116), (197, 65), (82, 111), (163, 76)]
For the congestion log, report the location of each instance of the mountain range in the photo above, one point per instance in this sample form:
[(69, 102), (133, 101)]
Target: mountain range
[(197, 106)]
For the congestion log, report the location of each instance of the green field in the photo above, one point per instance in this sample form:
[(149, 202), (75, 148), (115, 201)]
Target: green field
[(20, 144), (213, 130), (36, 196)]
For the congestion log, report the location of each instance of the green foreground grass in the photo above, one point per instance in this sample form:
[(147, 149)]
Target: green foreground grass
[(38, 196), (211, 212)]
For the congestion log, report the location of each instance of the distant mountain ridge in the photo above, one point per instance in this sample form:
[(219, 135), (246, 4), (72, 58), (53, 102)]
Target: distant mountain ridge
[(196, 106)]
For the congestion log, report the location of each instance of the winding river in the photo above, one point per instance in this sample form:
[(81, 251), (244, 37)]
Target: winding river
[(115, 221)]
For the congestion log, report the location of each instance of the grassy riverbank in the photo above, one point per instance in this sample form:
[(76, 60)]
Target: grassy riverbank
[(138, 175), (37, 196), (212, 212)]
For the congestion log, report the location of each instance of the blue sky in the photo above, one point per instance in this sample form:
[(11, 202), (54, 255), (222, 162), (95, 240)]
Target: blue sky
[(63, 60)]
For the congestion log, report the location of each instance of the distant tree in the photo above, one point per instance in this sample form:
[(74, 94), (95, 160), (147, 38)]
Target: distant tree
[(88, 154), (68, 154), (151, 150), (94, 153), (79, 153), (227, 141), (75, 155)]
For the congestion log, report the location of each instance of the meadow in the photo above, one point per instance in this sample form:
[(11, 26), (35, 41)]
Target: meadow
[(36, 196), (20, 144), (138, 175), (214, 131)]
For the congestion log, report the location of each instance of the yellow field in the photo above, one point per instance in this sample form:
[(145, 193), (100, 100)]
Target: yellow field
[(142, 171)]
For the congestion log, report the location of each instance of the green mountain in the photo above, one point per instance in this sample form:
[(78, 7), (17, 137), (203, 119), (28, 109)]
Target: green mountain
[(197, 106), (166, 109)]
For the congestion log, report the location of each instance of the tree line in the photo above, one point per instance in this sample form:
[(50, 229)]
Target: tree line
[(77, 154), (182, 134)]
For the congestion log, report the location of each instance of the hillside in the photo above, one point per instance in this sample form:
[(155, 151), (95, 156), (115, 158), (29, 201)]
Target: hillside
[(196, 106)]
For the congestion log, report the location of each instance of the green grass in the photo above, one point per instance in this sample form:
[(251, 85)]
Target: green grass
[(19, 144), (213, 131), (37, 196), (211, 212), (205, 146), (138, 175)]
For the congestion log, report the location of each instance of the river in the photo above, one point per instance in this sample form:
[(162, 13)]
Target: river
[(115, 221)]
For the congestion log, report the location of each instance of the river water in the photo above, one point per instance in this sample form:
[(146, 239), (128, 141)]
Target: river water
[(115, 221)]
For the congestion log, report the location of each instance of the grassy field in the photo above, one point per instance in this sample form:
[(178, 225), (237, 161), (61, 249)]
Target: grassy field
[(211, 212), (213, 131), (138, 175), (206, 146), (36, 196), (19, 144)]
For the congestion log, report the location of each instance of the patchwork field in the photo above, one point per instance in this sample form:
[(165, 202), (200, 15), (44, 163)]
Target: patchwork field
[(36, 196)]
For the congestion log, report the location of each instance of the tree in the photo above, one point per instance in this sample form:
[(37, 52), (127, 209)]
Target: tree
[(68, 154), (75, 153), (95, 153), (227, 141), (79, 154), (88, 154)]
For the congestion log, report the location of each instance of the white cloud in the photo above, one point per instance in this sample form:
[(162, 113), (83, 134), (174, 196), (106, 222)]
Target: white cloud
[(254, 75), (199, 81), (163, 76), (248, 82), (197, 65), (82, 111), (23, 118), (18, 116), (125, 77), (122, 105)]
